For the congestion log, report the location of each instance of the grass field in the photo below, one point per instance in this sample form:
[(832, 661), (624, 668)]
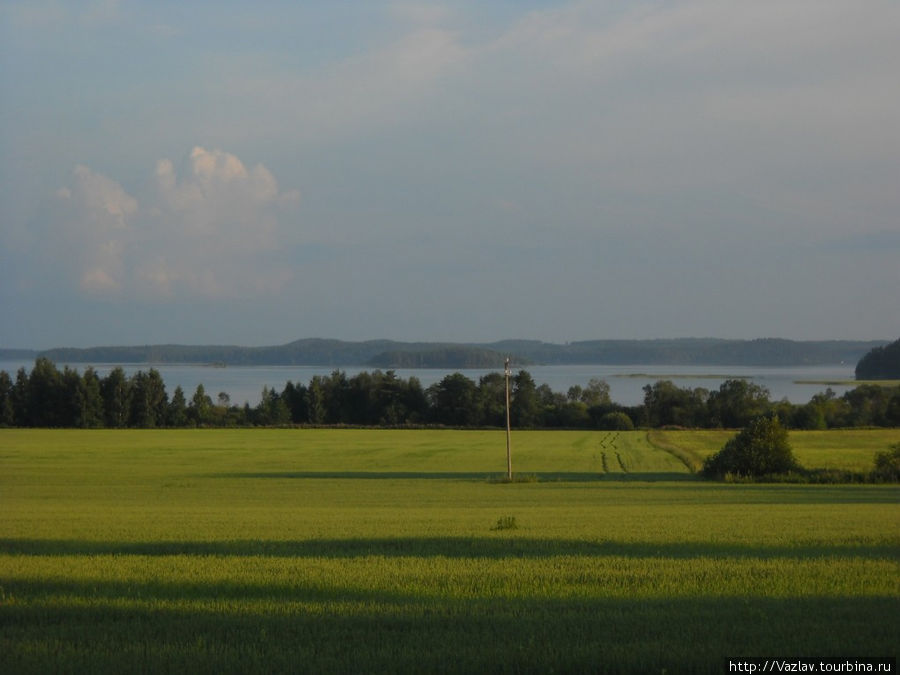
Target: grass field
[(848, 449), (377, 551)]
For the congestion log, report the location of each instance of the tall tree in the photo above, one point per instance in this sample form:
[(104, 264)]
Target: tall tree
[(335, 396), (90, 414), (200, 408), (453, 400), (666, 404), (492, 399), (176, 411), (21, 399), (116, 391), (7, 414), (71, 399), (149, 401), (737, 402), (596, 393), (140, 413), (415, 401), (361, 404), (45, 395), (317, 407), (524, 408), (296, 398), (157, 398), (272, 410), (869, 405)]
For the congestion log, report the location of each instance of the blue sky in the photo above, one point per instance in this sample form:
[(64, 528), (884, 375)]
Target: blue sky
[(254, 173)]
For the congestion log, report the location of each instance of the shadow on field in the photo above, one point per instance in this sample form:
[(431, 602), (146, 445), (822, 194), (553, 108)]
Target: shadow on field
[(498, 546), (540, 476), (163, 627)]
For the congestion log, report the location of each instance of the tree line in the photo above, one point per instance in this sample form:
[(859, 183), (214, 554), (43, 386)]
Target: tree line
[(391, 354), (49, 397)]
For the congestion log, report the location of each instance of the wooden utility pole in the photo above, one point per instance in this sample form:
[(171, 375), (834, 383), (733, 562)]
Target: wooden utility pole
[(508, 455)]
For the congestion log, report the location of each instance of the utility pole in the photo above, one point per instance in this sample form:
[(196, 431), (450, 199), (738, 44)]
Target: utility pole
[(508, 455)]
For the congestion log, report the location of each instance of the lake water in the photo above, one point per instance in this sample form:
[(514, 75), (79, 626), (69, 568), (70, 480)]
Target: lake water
[(245, 383)]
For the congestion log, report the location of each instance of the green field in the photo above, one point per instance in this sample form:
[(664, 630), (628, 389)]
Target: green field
[(377, 551), (847, 449)]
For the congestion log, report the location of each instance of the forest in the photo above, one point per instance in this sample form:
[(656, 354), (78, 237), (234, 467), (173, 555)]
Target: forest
[(880, 363), (392, 354), (49, 397)]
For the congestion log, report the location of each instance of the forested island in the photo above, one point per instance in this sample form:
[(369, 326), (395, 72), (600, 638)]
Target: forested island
[(882, 363), (49, 397), (393, 354)]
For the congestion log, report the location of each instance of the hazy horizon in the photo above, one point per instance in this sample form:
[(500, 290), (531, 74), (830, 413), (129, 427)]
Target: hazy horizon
[(462, 172), (438, 341)]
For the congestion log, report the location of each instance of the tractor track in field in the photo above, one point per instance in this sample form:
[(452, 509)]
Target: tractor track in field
[(608, 442), (691, 460)]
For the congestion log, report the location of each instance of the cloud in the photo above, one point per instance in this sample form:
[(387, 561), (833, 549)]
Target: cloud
[(89, 224), (101, 198), (383, 87), (647, 106), (97, 280), (212, 231), (217, 193), (672, 145), (639, 107)]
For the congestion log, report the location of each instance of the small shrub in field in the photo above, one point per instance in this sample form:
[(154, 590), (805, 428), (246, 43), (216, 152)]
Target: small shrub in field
[(615, 421), (834, 476), (887, 464), (525, 478), (760, 449), (506, 523), (517, 478)]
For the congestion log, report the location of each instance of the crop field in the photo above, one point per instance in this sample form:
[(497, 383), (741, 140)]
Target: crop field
[(847, 449), (309, 550)]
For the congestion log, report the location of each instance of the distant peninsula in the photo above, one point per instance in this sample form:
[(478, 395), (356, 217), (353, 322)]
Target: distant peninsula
[(882, 363), (395, 354)]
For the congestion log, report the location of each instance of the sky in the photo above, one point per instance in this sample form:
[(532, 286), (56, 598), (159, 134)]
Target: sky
[(255, 173)]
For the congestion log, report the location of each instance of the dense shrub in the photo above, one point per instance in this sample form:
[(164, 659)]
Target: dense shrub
[(761, 449), (887, 464), (615, 421)]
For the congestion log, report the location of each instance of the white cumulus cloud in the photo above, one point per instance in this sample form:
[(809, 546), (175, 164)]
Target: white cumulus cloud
[(216, 194), (212, 229), (90, 223)]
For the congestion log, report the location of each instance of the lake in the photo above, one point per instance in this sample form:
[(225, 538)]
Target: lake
[(245, 383)]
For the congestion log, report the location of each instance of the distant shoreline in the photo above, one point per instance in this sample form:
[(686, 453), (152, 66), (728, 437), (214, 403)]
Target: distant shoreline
[(763, 352), (846, 383)]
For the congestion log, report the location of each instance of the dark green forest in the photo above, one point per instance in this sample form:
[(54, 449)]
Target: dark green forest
[(391, 354), (882, 363), (49, 397)]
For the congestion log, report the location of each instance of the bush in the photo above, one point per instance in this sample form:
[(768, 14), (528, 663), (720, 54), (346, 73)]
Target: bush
[(761, 449), (887, 464), (517, 478), (615, 421), (506, 523)]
